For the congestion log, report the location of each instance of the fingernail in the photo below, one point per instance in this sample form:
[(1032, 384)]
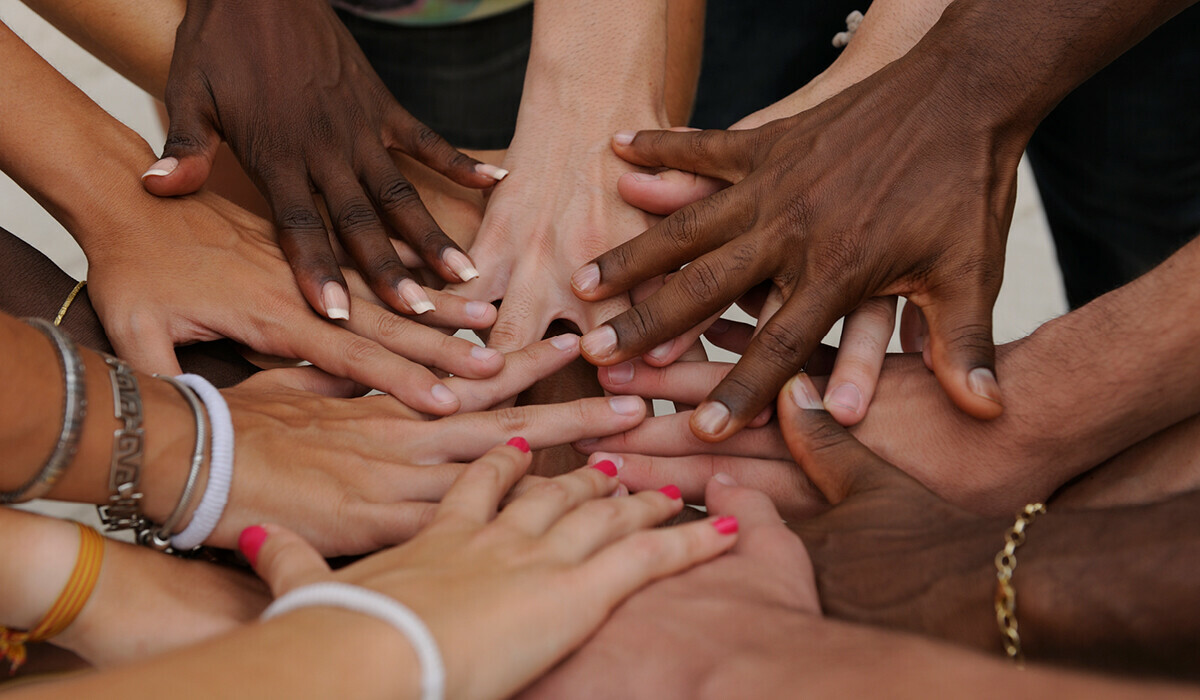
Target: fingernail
[(626, 405), (622, 490), (442, 394), (983, 383), (723, 478), (337, 303), (619, 374), (645, 177), (456, 260), (802, 394), (491, 171), (586, 442), (606, 467), (520, 443), (565, 342), (846, 396), (162, 167), (600, 343), (726, 525), (624, 138), (477, 309), (711, 418), (671, 491), (484, 354), (414, 296), (251, 541), (605, 457), (586, 278), (660, 353)]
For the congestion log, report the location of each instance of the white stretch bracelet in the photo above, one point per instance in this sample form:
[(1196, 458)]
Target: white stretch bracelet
[(379, 606), (220, 466)]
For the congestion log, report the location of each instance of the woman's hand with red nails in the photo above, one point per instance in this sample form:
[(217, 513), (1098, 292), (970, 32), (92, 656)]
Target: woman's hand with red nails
[(535, 579), (284, 83)]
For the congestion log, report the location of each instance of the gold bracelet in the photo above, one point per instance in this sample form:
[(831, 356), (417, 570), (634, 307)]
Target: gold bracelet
[(1006, 595), (62, 312)]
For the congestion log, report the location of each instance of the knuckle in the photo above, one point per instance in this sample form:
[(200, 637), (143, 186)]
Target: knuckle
[(433, 241), (426, 138), (645, 547), (298, 219), (392, 327), (784, 344), (359, 350), (398, 193), (604, 511), (551, 490), (643, 321), (511, 420), (356, 217), (703, 280)]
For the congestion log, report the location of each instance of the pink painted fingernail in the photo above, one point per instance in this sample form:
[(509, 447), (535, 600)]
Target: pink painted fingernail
[(846, 396), (626, 405), (624, 138), (598, 457), (565, 342), (161, 168), (414, 296), (337, 303), (520, 443), (484, 354), (491, 171), (660, 353), (586, 278), (726, 525), (456, 260), (711, 418), (442, 394), (606, 467), (671, 491), (619, 374), (251, 541), (983, 384), (600, 343)]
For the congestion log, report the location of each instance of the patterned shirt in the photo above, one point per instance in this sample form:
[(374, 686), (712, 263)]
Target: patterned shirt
[(428, 12)]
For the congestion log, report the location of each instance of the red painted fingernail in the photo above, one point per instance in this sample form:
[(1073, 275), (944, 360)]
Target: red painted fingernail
[(250, 541), (726, 525), (671, 491), (606, 467), (520, 443)]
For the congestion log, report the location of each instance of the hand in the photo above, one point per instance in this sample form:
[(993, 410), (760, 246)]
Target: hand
[(283, 82), (674, 638), (220, 274), (535, 580), (787, 220)]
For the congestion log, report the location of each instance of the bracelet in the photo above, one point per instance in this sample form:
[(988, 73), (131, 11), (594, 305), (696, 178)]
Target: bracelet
[(382, 607), (1006, 595), (62, 311), (160, 539), (220, 466), (122, 512), (74, 412), (70, 601)]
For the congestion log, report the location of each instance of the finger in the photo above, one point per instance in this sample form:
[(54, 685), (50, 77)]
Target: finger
[(305, 243), (521, 370), (281, 558), (153, 353), (666, 192), (584, 530), (679, 239), (837, 463), (724, 155), (475, 496), (865, 336), (425, 145), (520, 320), (963, 353), (669, 435), (191, 145), (309, 379), (454, 311), (424, 345), (684, 382), (914, 331), (670, 351), (733, 336), (544, 503)]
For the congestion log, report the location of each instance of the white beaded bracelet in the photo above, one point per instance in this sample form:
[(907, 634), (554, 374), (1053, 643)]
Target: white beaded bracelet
[(379, 606), (220, 466)]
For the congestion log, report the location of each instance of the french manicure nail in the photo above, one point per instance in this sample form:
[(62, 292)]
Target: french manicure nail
[(337, 303), (484, 354), (414, 296), (491, 171), (606, 467), (442, 394), (626, 405), (645, 177), (586, 278), (251, 541), (520, 443), (660, 353), (600, 343), (671, 491), (162, 167), (802, 394), (477, 309), (456, 260), (622, 490), (711, 418), (565, 342), (846, 396), (726, 525), (723, 478), (619, 374), (983, 383), (624, 138)]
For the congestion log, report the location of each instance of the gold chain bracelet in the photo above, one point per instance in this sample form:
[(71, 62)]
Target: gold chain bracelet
[(62, 311), (1006, 595)]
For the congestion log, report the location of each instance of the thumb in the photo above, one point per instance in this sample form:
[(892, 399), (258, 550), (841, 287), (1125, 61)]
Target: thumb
[(188, 153), (963, 352), (666, 192), (838, 464), (147, 353), (281, 558), (307, 379)]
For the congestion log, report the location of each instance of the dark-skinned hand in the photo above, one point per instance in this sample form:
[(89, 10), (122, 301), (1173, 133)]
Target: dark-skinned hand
[(284, 83), (892, 187)]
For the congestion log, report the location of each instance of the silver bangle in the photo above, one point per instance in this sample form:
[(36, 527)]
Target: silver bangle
[(123, 510), (160, 539), (74, 412)]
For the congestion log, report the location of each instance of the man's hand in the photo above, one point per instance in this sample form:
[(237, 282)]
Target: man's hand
[(286, 86)]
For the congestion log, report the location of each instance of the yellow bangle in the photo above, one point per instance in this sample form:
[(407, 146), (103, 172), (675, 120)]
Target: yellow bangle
[(62, 312), (70, 602)]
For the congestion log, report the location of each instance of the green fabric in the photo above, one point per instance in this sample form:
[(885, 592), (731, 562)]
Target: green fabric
[(428, 12)]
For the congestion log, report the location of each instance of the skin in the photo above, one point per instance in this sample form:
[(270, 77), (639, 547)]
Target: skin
[(477, 580)]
